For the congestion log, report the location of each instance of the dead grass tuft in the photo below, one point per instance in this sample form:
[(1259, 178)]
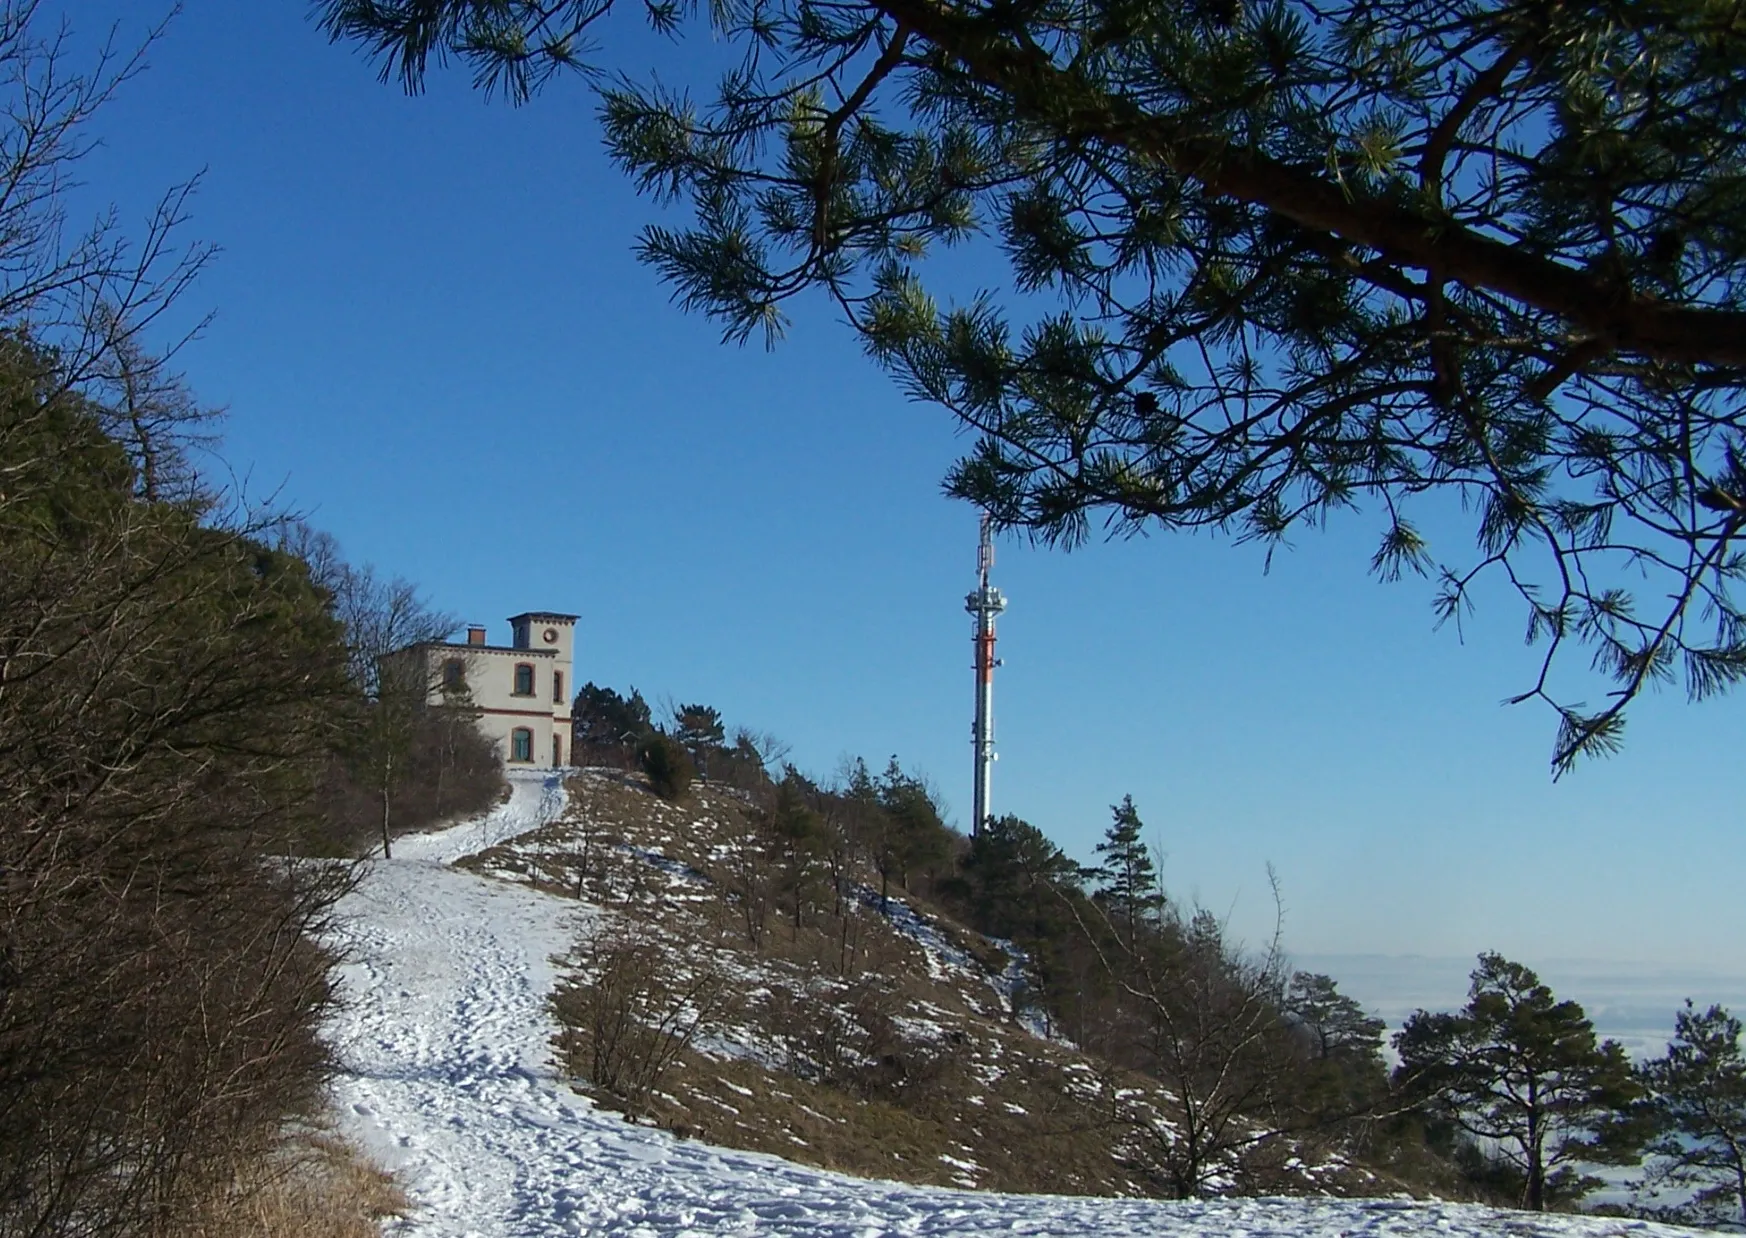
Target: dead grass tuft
[(315, 1187)]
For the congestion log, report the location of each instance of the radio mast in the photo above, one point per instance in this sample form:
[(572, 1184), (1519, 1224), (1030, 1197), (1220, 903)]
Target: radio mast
[(984, 604)]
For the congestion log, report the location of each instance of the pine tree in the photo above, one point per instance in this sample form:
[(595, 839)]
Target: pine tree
[(1333, 1025), (1128, 878), (174, 691), (798, 834), (604, 721), (918, 841), (172, 687), (1017, 880), (699, 729), (1522, 1070), (667, 765), (1270, 261), (1697, 1092), (1345, 1072)]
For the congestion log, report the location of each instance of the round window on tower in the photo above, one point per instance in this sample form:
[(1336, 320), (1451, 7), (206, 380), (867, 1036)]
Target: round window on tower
[(550, 636)]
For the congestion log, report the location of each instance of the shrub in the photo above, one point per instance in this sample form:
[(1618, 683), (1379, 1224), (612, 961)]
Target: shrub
[(629, 1017), (171, 691), (849, 1037), (668, 766)]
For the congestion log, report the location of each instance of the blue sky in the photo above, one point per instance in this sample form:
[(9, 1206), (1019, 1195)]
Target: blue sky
[(432, 338)]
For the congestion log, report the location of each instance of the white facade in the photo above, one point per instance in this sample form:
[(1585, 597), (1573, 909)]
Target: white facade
[(520, 692)]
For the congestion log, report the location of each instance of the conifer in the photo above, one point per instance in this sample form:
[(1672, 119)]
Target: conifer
[(1697, 1092), (1128, 877), (1523, 1071)]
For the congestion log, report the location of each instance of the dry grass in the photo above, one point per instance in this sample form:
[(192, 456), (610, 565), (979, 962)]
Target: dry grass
[(955, 1130), (316, 1187), (881, 1060)]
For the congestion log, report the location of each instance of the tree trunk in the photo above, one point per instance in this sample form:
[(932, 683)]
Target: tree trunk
[(387, 780), (1188, 1180), (584, 861), (1536, 1153)]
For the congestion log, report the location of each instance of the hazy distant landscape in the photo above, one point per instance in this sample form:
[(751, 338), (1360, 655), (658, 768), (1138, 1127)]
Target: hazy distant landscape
[(1632, 1003)]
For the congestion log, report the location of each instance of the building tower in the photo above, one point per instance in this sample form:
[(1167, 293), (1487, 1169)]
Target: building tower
[(984, 605)]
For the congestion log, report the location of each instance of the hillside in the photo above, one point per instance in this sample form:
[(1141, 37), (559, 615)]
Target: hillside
[(882, 1039), (446, 1039)]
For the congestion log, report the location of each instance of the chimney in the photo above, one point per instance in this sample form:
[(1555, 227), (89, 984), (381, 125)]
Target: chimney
[(475, 634)]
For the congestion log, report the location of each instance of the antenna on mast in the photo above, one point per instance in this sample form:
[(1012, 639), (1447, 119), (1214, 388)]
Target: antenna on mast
[(984, 605)]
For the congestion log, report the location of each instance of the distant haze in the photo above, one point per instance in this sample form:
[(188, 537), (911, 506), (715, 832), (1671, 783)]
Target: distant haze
[(1633, 1003)]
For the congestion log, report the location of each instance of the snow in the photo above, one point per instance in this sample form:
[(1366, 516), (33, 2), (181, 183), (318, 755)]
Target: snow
[(448, 1080), (943, 958)]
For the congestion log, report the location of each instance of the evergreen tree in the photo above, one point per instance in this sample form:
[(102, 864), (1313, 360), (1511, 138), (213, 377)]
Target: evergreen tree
[(1697, 1103), (699, 730), (1015, 883), (1276, 259), (877, 829), (1017, 880), (1345, 1071), (917, 841), (667, 765), (798, 832), (1333, 1025), (171, 687), (1128, 878), (604, 721), (1523, 1071), (747, 762), (172, 693)]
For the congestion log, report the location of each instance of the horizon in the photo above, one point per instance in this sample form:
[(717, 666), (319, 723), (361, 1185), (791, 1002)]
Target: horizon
[(1633, 1003)]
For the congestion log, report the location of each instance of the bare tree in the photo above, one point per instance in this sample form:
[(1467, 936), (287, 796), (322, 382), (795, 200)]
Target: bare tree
[(747, 882), (767, 747), (1204, 1017), (89, 292), (385, 621)]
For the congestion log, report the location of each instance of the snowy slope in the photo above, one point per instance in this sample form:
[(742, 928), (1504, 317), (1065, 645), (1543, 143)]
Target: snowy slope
[(448, 1081)]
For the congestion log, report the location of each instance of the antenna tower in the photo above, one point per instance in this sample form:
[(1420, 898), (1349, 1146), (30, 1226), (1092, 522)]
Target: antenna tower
[(984, 605)]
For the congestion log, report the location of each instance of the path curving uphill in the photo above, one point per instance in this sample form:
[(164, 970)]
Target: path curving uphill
[(445, 1041)]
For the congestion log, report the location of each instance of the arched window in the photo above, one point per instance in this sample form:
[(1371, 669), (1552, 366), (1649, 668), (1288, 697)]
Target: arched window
[(521, 745), (557, 751), (524, 679), (557, 687)]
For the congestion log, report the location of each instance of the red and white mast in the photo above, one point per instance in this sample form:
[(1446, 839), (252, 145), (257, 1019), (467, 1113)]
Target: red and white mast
[(984, 604)]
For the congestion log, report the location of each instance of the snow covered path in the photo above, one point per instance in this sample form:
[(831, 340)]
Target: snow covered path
[(448, 1081)]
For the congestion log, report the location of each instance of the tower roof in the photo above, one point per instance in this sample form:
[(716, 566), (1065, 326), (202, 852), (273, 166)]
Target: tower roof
[(545, 616)]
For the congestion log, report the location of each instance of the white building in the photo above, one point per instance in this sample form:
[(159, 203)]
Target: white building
[(521, 691)]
